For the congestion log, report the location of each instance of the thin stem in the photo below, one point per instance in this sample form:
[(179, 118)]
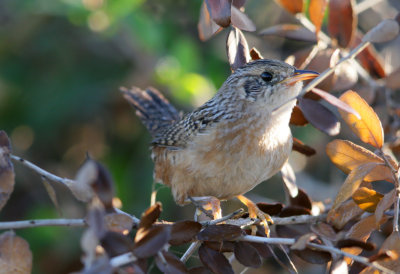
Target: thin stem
[(224, 218), (364, 5), (45, 222), (123, 259), (192, 248), (42, 172)]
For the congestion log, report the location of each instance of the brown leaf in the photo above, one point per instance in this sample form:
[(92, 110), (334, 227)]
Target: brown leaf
[(95, 218), (16, 257), (289, 180), (7, 176), (301, 243), (152, 241), (344, 213), (255, 54), (206, 26), (172, 264), (247, 255), (52, 193), (313, 256), (290, 31), (103, 186), (347, 156), (237, 49), (386, 202), (302, 148), (335, 101), (297, 118), (220, 232), (324, 230), (319, 116), (383, 256), (354, 242), (214, 260), (81, 187), (118, 222), (362, 231), (316, 9), (183, 232), (150, 216), (367, 199), (224, 246), (368, 128), (385, 31), (294, 211), (241, 21), (342, 21), (292, 6), (352, 183), (369, 59), (220, 11), (116, 244), (199, 270), (270, 209), (301, 200), (321, 61)]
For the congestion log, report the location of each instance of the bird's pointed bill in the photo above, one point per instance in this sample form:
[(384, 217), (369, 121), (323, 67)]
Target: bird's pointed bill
[(301, 75)]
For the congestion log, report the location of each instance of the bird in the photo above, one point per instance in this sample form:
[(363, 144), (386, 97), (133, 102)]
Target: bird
[(230, 144)]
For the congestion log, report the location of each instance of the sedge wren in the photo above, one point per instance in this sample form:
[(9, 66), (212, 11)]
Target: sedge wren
[(230, 144)]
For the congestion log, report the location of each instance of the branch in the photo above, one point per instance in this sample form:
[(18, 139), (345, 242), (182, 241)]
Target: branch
[(46, 222), (192, 248), (290, 241), (122, 260), (41, 171)]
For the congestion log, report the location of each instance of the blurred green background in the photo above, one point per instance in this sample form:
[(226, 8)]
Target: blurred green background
[(61, 66)]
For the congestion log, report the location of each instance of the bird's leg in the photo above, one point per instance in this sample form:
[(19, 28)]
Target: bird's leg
[(255, 212), (206, 204)]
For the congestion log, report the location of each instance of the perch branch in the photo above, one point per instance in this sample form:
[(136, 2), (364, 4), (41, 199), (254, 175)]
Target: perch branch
[(192, 248), (42, 172), (45, 222)]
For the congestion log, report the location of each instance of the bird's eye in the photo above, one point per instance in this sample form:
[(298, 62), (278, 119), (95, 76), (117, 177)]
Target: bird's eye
[(266, 76)]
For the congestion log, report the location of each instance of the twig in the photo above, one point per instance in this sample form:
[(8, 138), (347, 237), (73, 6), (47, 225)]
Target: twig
[(224, 218), (300, 219), (123, 259), (199, 207), (290, 241), (42, 172), (394, 172), (45, 222), (192, 248)]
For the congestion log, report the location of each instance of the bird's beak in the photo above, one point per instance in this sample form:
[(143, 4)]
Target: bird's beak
[(301, 75)]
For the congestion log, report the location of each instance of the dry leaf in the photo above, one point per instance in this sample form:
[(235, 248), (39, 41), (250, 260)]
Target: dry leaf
[(368, 128), (386, 202), (81, 186), (316, 9), (241, 21), (393, 80), (237, 49), (347, 156), (270, 209), (7, 176), (385, 31), (352, 183), (115, 243), (354, 242), (290, 31), (152, 241), (342, 21), (171, 265), (255, 54), (52, 193), (214, 260), (367, 199), (302, 148), (15, 255), (292, 6), (206, 26), (220, 11), (324, 230), (183, 232), (247, 254), (319, 116), (289, 180), (344, 213), (297, 118), (302, 242), (220, 232), (334, 101), (118, 222), (339, 267)]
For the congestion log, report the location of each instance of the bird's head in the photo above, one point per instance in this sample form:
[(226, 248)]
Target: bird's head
[(265, 83)]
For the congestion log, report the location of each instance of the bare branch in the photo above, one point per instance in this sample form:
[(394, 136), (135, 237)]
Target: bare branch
[(192, 248), (45, 222)]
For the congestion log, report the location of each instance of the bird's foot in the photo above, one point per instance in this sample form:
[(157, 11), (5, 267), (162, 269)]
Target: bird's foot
[(255, 212), (210, 206)]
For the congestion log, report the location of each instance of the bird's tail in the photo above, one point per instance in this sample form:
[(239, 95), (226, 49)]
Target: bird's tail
[(153, 109)]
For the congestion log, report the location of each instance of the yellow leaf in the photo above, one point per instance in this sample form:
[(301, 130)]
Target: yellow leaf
[(347, 156), (367, 199), (368, 128), (352, 183)]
